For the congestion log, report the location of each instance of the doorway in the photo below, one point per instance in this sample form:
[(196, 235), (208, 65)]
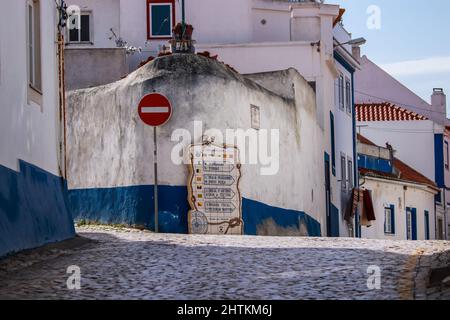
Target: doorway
[(328, 193), (411, 224)]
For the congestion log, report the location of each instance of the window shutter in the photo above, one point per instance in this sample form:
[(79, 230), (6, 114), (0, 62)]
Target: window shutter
[(393, 218)]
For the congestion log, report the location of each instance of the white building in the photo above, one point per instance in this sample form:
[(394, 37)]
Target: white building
[(110, 167), (388, 112), (33, 195), (344, 128), (401, 197), (374, 85), (252, 36)]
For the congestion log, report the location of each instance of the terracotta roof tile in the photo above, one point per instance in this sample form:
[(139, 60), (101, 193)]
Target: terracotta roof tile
[(385, 112), (409, 174)]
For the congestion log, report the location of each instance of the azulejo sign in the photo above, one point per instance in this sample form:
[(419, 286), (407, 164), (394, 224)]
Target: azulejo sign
[(214, 196)]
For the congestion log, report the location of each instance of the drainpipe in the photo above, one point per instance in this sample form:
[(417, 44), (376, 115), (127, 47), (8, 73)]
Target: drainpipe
[(355, 156), (436, 229), (183, 18), (290, 23), (61, 89)]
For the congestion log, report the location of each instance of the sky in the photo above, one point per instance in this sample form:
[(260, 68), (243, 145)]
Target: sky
[(411, 41)]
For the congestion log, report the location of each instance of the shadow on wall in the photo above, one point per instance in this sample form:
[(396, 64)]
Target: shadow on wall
[(33, 209), (134, 206)]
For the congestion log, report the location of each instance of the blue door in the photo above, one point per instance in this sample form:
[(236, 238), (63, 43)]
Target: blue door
[(411, 223), (332, 211), (427, 225), (328, 193)]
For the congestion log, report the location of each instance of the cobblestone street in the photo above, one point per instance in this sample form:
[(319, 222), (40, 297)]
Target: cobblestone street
[(131, 264)]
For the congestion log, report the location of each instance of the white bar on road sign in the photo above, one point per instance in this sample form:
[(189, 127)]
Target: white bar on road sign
[(155, 110)]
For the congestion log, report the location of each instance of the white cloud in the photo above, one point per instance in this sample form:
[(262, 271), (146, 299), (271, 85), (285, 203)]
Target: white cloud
[(432, 65)]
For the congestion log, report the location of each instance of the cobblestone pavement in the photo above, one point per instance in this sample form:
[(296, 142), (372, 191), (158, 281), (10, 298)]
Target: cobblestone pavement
[(130, 264)]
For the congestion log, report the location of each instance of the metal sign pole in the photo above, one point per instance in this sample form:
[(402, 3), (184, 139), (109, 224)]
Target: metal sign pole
[(155, 172)]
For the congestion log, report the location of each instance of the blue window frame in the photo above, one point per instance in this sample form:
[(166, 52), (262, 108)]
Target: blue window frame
[(333, 145), (389, 220), (446, 155)]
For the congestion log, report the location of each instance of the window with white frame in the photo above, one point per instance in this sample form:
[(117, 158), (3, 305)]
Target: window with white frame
[(341, 92), (343, 173), (34, 45), (160, 18), (388, 221), (350, 174), (409, 227), (348, 96), (81, 30)]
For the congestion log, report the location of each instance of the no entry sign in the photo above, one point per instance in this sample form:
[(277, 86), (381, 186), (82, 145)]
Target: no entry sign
[(155, 109)]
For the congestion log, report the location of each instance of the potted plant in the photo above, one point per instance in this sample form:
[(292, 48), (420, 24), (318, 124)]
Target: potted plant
[(178, 31)]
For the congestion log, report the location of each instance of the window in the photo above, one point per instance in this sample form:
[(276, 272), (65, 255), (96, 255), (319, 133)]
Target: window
[(350, 175), (81, 32), (34, 45), (427, 225), (440, 229), (446, 155), (408, 225), (411, 224), (255, 117), (341, 92), (389, 220), (348, 96), (160, 18), (343, 174), (333, 145)]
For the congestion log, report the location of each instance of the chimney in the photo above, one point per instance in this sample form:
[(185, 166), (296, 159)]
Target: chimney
[(439, 103), (356, 52)]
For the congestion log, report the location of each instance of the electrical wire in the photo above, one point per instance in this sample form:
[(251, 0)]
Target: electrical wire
[(400, 104)]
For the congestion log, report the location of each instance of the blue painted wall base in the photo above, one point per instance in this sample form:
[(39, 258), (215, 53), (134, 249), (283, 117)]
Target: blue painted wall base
[(33, 209), (133, 206)]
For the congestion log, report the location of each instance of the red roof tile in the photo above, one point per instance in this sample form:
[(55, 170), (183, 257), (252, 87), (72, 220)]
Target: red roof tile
[(406, 173), (385, 112), (409, 174)]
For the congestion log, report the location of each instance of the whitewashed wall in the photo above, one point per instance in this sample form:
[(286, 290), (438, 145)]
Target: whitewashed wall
[(413, 141), (344, 145), (373, 84), (27, 131), (233, 30), (118, 150), (33, 209), (391, 193), (105, 15)]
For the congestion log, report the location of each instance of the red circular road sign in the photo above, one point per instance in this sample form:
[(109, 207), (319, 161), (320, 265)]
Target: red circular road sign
[(155, 109)]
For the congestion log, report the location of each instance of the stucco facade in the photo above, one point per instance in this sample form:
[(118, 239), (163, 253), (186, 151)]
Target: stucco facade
[(252, 36), (401, 196), (110, 164), (429, 151), (398, 202), (345, 129), (33, 207)]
